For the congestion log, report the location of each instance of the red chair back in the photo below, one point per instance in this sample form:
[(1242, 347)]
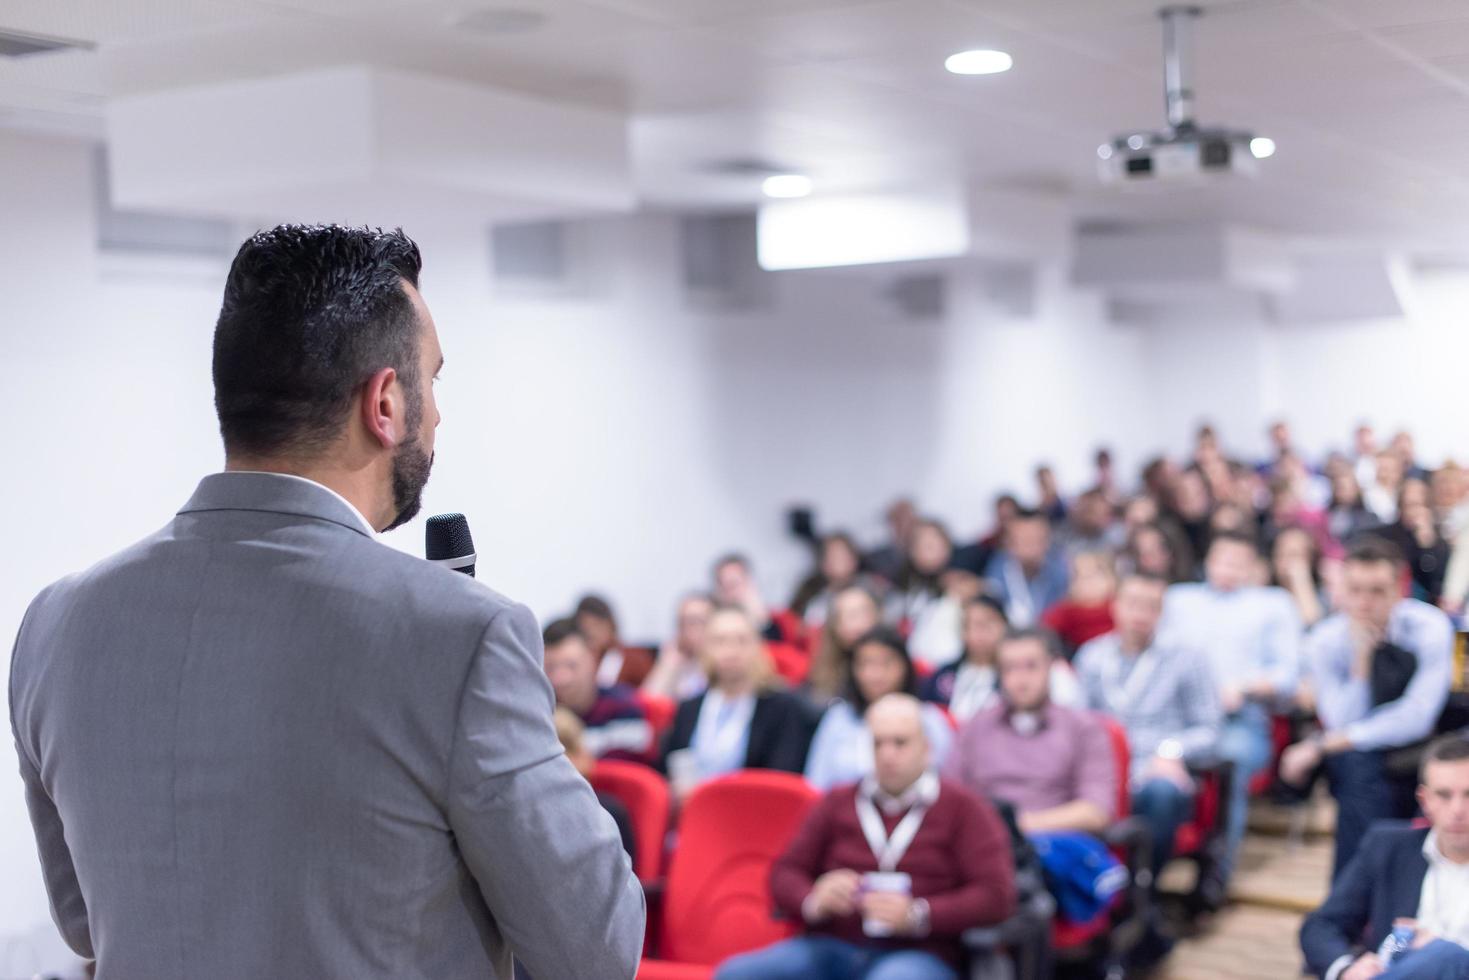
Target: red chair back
[(1122, 753), (645, 794), (730, 832), (659, 712)]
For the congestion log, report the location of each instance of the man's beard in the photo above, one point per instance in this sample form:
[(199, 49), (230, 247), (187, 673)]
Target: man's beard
[(411, 466)]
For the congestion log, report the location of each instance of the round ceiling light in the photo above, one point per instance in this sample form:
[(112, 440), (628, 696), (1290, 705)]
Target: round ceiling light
[(786, 185), (979, 62)]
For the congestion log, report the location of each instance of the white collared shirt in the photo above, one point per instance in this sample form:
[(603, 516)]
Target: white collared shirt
[(925, 789), (1443, 904), (371, 531)]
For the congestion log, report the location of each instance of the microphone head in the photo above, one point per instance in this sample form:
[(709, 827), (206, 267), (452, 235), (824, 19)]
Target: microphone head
[(447, 542)]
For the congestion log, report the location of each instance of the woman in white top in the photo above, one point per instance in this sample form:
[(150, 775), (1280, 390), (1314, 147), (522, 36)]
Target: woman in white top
[(922, 606), (841, 751), (854, 611)]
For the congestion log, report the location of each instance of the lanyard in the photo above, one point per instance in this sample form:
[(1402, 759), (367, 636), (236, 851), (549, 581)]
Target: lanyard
[(716, 738), (1122, 697), (1022, 605), (889, 849)]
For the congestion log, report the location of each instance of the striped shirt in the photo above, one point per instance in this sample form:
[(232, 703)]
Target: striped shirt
[(1165, 692)]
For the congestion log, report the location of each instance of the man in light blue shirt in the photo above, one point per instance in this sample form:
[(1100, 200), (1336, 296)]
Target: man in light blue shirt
[(1380, 671), (1251, 637), (1029, 574)]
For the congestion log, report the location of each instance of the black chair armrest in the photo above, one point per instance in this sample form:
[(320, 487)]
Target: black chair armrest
[(1204, 763), (1031, 920), (1128, 833)]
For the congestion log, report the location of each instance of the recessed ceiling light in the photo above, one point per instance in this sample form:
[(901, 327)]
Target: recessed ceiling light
[(1105, 151), (978, 62), (786, 185), (1136, 141), (501, 20), (1262, 147)]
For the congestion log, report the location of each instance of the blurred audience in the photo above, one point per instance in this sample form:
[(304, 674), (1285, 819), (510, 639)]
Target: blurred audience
[(886, 874), (744, 720), (923, 604), (1380, 674), (678, 673), (879, 665), (839, 563), (1028, 574), (1163, 695), (1404, 877), (616, 726), (855, 610), (1251, 638), (1053, 763), (1086, 612), (616, 664)]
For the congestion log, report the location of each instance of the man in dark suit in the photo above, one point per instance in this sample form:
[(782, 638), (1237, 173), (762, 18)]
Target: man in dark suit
[(1403, 875)]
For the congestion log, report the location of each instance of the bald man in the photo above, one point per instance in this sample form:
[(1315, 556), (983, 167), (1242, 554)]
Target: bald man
[(887, 873)]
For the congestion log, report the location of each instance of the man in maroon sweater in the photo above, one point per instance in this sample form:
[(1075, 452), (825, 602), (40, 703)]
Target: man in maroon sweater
[(888, 873)]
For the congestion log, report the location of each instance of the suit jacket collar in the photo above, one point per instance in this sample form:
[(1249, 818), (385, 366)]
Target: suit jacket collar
[(273, 494), (1410, 882)]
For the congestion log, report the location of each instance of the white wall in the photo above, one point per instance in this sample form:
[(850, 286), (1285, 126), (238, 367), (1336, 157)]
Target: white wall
[(1242, 372)]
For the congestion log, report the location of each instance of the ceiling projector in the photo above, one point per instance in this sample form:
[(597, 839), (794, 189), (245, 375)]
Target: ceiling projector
[(1185, 150)]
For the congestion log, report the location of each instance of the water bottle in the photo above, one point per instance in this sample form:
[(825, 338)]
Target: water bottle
[(1397, 942)]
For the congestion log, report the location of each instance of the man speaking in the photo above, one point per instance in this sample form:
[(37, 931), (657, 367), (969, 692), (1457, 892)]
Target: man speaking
[(261, 744)]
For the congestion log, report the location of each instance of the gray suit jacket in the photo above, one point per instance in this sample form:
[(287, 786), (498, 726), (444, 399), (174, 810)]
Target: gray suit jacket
[(261, 744)]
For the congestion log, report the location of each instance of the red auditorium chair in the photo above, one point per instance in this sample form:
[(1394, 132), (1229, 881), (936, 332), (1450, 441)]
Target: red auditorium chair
[(645, 794), (659, 712), (716, 902), (1106, 938)]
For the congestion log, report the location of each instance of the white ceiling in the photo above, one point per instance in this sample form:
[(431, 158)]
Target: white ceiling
[(1368, 100)]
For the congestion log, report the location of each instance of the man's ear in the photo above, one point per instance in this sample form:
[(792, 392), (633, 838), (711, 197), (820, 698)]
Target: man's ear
[(380, 408)]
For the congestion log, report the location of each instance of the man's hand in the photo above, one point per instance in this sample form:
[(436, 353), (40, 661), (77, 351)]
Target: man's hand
[(1365, 638), (889, 908), (834, 894), (1366, 967), (1173, 770), (1298, 762), (1231, 699)]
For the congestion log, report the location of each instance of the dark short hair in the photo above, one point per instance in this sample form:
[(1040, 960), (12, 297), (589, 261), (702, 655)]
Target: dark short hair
[(310, 312), (1044, 637), (1140, 576), (987, 601), (884, 636), (558, 631), (596, 607), (1453, 747), (1029, 514), (1371, 549), (732, 558), (1234, 537)]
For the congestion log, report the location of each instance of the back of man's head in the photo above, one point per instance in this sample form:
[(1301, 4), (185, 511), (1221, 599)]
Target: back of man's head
[(309, 314)]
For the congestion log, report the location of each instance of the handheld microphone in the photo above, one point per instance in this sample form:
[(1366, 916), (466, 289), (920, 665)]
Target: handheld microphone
[(447, 542)]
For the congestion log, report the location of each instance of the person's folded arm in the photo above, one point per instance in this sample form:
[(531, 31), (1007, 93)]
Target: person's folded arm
[(1412, 716), (1340, 698), (546, 856)]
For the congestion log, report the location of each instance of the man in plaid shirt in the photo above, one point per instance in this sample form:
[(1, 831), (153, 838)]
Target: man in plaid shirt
[(1165, 698)]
